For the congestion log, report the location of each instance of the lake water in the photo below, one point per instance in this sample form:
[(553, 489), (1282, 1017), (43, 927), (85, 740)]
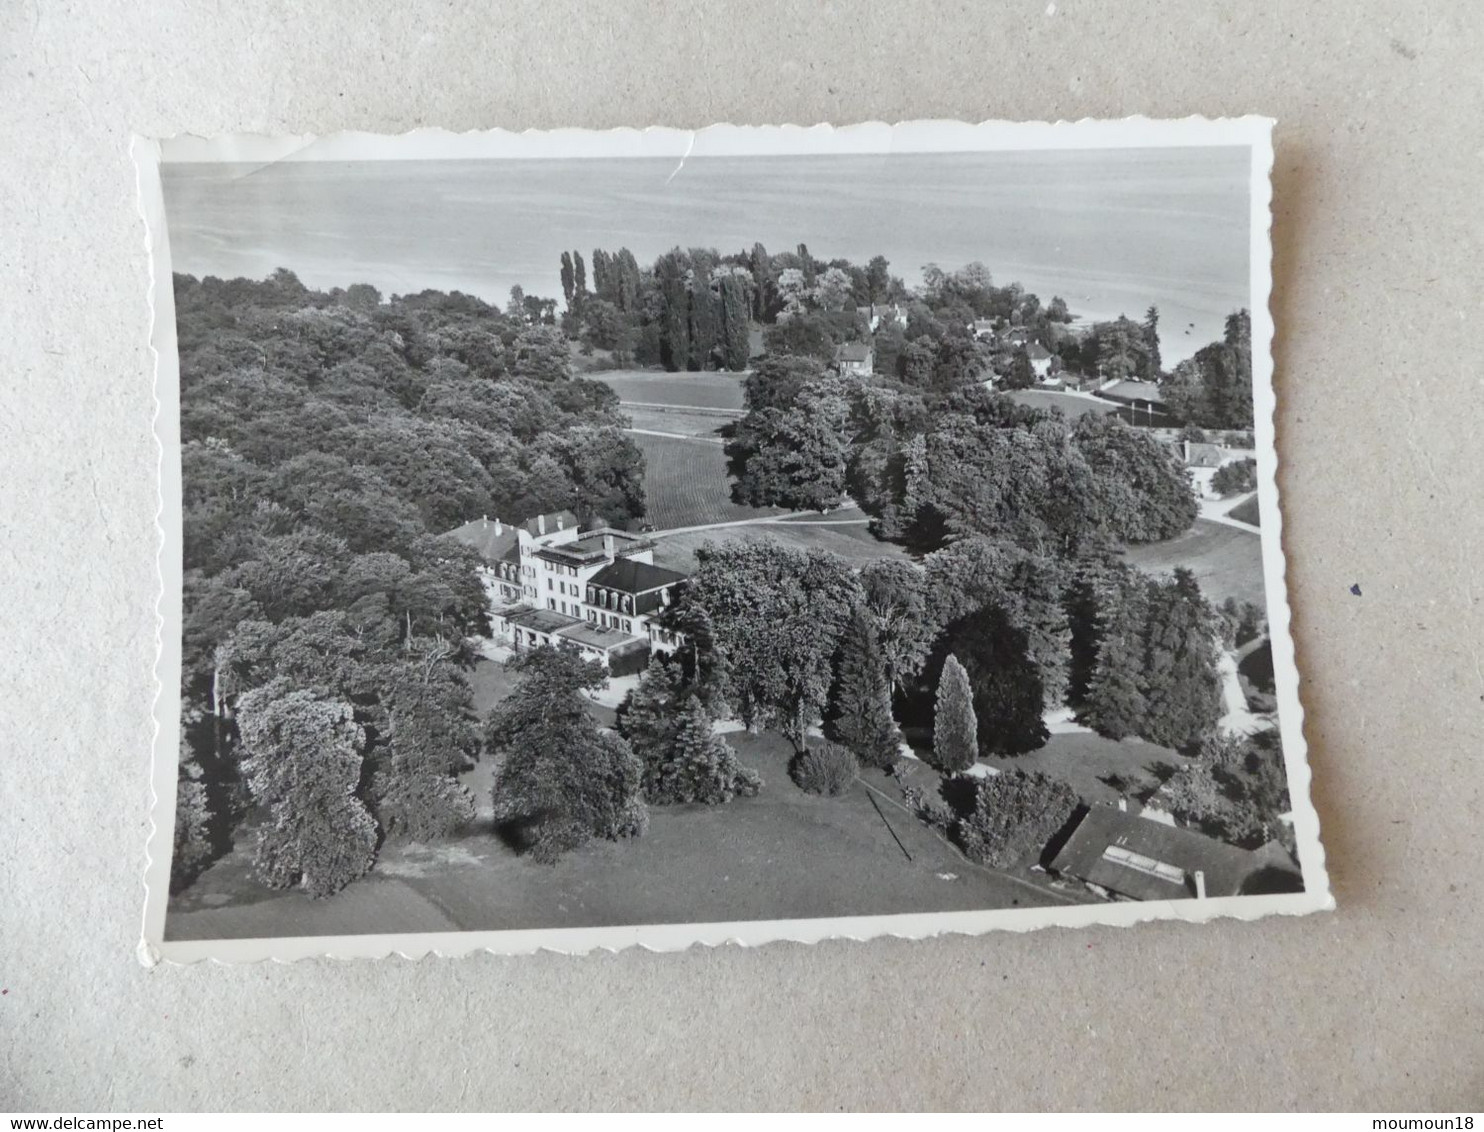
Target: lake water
[(1110, 231)]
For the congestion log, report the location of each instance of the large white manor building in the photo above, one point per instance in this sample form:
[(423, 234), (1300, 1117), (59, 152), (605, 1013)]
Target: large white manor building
[(600, 589)]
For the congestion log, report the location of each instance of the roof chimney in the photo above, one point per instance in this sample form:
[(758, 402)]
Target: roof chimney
[(608, 546), (541, 524), (1123, 805), (561, 522), (1200, 884), (497, 525)]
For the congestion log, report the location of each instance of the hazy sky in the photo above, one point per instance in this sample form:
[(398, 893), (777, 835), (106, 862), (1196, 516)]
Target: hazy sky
[(1111, 231)]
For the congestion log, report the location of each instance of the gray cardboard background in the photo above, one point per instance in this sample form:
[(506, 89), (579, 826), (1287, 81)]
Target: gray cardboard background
[(1378, 276)]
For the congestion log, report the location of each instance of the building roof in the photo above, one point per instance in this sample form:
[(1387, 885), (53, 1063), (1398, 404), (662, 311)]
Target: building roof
[(596, 636), (630, 577), (555, 521), (1178, 852), (573, 629), (593, 546), (1134, 391), (543, 620), (853, 352), (493, 539), (1038, 352)]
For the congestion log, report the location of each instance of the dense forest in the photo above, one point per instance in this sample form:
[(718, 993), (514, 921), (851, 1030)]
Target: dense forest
[(328, 440), (932, 466)]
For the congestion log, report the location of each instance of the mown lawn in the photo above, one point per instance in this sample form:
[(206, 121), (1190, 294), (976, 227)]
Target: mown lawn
[(1098, 769), (1226, 561), (491, 683), (781, 855), (682, 421), (1246, 512), (854, 543), (686, 484), (707, 390)]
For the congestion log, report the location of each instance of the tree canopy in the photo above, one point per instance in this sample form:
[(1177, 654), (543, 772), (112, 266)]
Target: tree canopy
[(329, 439)]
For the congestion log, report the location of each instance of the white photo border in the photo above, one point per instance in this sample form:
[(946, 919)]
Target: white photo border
[(721, 140)]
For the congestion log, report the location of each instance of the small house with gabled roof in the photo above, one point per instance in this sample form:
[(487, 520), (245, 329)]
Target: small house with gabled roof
[(1126, 856), (855, 359)]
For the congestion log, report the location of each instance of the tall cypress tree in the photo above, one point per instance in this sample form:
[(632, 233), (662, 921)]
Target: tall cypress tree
[(568, 279), (734, 324), (1114, 705), (579, 280), (1084, 608), (1035, 602), (1153, 364), (860, 715), (955, 726), (645, 718), (705, 319), (628, 282), (602, 276), (674, 311), (994, 649), (762, 277), (1182, 689)]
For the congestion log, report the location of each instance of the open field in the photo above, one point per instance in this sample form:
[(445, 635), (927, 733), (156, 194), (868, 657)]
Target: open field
[(781, 855), (706, 390), (1226, 561), (1098, 769), (686, 423), (854, 542), (686, 484)]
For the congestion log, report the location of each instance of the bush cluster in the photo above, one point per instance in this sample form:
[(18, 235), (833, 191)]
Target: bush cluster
[(1235, 478), (828, 770), (1014, 815)]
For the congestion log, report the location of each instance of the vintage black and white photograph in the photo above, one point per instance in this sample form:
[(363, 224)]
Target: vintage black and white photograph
[(578, 540)]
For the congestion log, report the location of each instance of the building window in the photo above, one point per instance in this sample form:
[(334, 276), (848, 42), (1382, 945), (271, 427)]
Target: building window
[(551, 603), (548, 583), (628, 626), (1118, 855), (590, 592)]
